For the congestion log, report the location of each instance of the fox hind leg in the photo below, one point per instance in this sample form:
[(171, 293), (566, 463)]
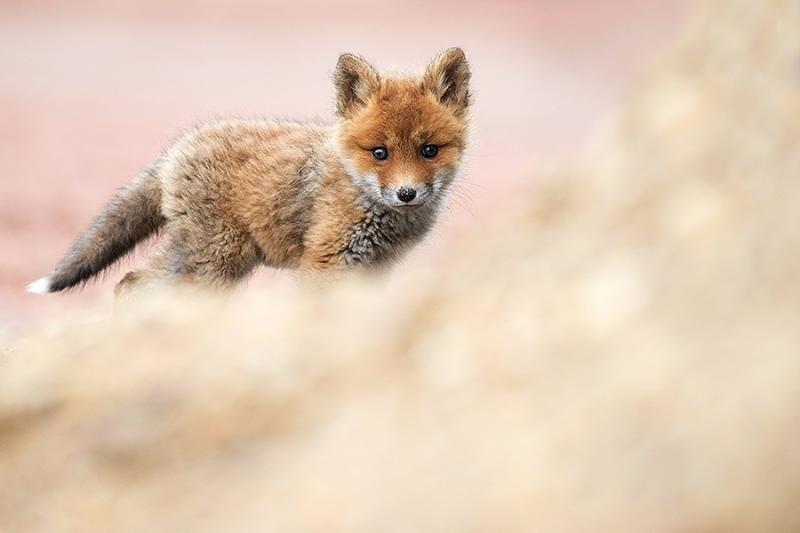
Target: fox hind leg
[(217, 259), (157, 271)]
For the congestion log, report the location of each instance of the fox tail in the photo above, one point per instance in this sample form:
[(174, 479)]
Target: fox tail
[(132, 215)]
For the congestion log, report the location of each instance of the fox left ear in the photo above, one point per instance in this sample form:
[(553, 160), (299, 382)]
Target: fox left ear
[(356, 80), (447, 77)]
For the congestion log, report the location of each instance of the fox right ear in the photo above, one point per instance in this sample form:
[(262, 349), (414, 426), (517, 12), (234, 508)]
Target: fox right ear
[(355, 81), (447, 78)]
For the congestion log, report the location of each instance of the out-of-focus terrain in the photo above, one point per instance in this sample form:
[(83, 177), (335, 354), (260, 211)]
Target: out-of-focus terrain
[(617, 353), (90, 92)]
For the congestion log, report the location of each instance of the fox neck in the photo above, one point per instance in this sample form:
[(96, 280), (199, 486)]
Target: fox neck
[(384, 233)]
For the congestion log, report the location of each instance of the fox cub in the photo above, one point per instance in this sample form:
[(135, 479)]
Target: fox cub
[(235, 194)]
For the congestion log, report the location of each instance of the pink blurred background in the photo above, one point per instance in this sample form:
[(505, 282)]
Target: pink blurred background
[(91, 91)]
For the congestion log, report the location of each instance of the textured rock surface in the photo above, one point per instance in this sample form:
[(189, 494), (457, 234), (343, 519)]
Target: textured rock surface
[(621, 355)]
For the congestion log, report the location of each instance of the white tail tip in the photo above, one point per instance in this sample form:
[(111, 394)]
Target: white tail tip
[(40, 286)]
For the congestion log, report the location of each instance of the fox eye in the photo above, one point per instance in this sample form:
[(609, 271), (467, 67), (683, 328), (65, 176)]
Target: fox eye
[(380, 153), (429, 151)]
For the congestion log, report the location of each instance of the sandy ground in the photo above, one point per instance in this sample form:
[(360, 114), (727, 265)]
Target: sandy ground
[(90, 92)]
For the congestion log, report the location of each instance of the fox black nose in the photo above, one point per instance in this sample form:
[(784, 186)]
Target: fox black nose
[(406, 194)]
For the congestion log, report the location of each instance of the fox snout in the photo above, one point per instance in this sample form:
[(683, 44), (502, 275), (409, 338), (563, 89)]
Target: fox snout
[(406, 194)]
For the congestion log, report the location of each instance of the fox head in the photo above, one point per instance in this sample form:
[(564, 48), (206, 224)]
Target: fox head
[(401, 139)]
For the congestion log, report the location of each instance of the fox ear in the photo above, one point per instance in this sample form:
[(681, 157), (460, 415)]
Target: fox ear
[(447, 77), (355, 81)]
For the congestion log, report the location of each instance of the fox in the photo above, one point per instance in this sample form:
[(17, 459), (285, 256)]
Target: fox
[(233, 195)]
